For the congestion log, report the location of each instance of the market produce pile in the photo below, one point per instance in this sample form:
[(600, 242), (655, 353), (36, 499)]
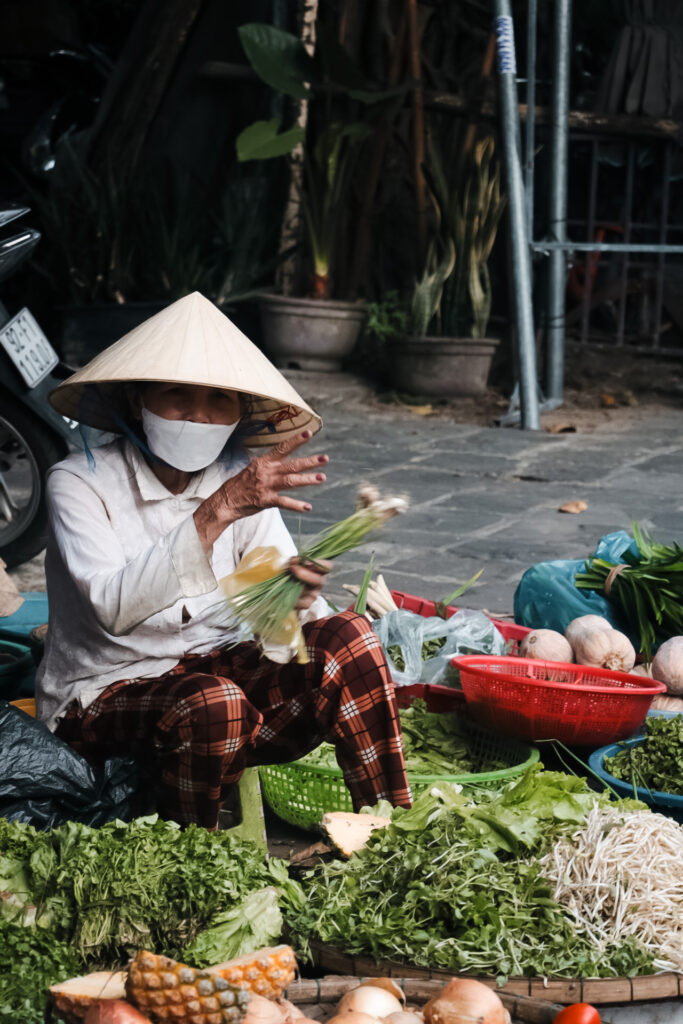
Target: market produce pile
[(80, 898), (657, 763), (462, 887), (434, 743)]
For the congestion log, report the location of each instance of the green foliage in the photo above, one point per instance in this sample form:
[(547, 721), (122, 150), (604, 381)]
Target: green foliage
[(649, 591), (148, 237), (109, 891), (455, 289), (657, 762), (281, 61), (457, 886), (253, 923), (278, 58), (263, 140), (32, 960), (386, 318)]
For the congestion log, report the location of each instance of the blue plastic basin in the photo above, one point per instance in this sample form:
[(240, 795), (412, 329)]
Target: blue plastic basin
[(666, 803)]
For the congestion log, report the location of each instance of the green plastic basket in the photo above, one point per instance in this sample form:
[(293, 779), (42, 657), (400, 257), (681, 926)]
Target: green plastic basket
[(300, 793)]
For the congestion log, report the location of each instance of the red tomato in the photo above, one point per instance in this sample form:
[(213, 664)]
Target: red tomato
[(578, 1013)]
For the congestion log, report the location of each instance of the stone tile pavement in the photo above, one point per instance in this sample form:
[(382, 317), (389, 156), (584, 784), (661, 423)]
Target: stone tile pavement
[(480, 497)]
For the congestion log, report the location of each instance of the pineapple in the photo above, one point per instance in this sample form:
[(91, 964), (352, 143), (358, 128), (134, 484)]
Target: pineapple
[(267, 972), (72, 999), (168, 991)]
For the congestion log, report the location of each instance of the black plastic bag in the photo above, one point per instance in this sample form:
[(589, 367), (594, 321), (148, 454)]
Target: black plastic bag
[(44, 783)]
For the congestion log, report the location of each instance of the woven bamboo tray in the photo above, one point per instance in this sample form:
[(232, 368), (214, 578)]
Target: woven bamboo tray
[(597, 991), (318, 998)]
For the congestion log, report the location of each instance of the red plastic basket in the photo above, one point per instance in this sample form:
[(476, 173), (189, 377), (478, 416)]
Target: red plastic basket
[(543, 700)]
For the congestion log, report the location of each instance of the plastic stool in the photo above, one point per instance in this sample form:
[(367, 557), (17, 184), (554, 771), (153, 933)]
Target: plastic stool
[(252, 825)]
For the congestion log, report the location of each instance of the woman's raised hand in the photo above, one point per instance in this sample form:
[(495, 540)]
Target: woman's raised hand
[(258, 486)]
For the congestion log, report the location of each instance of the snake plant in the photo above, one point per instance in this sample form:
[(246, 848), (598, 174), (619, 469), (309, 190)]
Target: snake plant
[(454, 292)]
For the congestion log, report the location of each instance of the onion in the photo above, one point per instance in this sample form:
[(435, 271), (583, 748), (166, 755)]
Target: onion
[(373, 1000), (463, 1001), (263, 1011), (290, 1011), (404, 1017), (388, 984), (114, 1011), (353, 1017)]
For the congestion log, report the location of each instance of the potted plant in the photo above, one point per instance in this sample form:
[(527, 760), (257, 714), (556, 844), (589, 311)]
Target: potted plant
[(447, 351), (117, 249), (316, 329)]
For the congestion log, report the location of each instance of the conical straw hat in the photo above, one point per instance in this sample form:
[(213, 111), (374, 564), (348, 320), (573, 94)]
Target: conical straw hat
[(189, 342)]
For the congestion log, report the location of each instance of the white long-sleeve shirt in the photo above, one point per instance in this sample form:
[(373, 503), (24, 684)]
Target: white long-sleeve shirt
[(123, 561)]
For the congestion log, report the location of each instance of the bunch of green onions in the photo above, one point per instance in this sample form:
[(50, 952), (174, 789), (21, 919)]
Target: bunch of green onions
[(265, 606), (647, 589)]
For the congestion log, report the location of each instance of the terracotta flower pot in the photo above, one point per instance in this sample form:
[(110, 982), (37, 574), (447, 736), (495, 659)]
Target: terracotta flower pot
[(441, 367), (309, 334)]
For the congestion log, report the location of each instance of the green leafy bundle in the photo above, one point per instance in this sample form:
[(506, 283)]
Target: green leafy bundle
[(32, 960), (657, 763), (458, 886), (265, 606), (648, 589)]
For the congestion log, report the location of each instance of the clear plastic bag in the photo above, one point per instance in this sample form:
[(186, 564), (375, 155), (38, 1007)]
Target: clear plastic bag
[(466, 632)]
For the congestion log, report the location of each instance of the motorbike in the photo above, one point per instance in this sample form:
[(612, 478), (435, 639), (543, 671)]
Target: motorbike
[(33, 436)]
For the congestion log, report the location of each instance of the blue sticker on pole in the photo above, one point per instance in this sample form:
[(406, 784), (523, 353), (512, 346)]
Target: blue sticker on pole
[(505, 44)]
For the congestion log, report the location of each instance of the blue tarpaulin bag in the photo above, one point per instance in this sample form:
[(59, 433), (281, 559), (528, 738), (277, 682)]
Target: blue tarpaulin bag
[(547, 598)]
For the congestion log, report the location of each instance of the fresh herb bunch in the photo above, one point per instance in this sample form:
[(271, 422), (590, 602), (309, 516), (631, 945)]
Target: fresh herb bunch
[(649, 591), (657, 762), (458, 886), (265, 606), (32, 960), (110, 891)]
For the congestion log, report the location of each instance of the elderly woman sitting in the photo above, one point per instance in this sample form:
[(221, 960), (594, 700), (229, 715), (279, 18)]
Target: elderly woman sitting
[(142, 652)]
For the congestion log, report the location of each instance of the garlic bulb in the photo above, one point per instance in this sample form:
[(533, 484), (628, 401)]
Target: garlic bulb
[(667, 664), (547, 645), (606, 648), (642, 670), (592, 623)]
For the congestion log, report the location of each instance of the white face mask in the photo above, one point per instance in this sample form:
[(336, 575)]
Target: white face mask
[(183, 444)]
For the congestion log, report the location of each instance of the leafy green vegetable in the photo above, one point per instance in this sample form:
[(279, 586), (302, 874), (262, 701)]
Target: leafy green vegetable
[(434, 743), (32, 960), (657, 763), (251, 924), (111, 890), (649, 590), (457, 886), (429, 649)]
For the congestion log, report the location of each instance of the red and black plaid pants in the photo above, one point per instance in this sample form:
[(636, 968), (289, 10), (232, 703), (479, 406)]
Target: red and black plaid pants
[(213, 715)]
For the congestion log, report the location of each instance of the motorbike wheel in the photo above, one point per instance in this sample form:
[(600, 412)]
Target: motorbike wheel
[(27, 450)]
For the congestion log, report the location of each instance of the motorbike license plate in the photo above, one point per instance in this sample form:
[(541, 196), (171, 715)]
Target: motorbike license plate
[(28, 348)]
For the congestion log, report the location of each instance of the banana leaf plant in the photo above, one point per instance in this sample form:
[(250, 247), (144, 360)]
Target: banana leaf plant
[(281, 61), (454, 292)]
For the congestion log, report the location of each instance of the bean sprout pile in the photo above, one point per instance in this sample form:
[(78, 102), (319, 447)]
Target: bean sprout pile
[(621, 874)]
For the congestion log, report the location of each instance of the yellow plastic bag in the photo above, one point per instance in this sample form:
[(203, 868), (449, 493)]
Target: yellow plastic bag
[(259, 564)]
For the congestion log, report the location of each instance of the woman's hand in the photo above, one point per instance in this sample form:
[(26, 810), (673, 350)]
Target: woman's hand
[(312, 575), (257, 487)]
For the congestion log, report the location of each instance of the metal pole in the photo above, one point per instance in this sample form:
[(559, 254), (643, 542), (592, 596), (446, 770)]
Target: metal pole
[(519, 240), (529, 139), (557, 214)]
